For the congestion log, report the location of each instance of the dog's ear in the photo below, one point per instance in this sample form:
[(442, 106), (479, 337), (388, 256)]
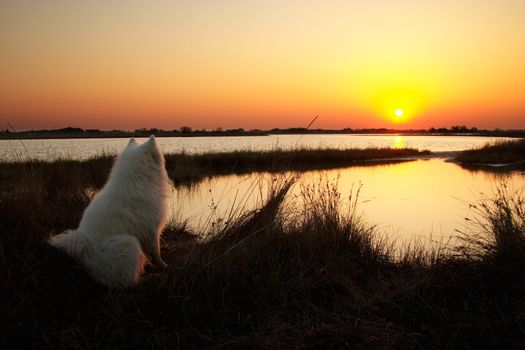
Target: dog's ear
[(151, 144), (151, 148), (132, 141), (151, 140)]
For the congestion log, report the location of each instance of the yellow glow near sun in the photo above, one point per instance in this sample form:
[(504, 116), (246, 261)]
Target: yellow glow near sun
[(397, 105)]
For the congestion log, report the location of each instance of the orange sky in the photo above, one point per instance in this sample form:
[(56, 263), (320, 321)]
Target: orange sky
[(262, 64)]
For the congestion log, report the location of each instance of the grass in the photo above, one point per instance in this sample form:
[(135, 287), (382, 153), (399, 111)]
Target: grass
[(316, 276), (502, 152), (185, 168)]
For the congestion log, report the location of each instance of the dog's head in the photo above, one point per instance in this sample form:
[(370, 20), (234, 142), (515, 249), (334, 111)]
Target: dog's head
[(141, 156)]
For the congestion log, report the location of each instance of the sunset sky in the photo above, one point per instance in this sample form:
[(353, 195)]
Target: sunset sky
[(262, 64)]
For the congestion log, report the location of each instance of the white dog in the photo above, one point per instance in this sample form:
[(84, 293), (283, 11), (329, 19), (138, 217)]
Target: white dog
[(123, 223)]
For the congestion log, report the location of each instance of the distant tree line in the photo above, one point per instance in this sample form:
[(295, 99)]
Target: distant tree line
[(73, 132)]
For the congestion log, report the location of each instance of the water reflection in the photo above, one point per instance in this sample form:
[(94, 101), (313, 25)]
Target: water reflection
[(399, 142), (425, 199)]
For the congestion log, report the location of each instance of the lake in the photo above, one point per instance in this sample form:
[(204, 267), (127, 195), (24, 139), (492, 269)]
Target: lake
[(85, 148), (423, 199), (426, 200)]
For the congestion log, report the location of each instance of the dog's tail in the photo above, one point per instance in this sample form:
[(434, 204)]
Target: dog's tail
[(115, 261)]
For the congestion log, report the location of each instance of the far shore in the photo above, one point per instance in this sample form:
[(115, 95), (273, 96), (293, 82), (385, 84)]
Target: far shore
[(78, 133)]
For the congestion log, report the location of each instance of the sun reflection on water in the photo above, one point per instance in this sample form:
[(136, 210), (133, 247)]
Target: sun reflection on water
[(399, 142)]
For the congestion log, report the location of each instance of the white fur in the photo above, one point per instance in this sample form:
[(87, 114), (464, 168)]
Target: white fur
[(123, 223)]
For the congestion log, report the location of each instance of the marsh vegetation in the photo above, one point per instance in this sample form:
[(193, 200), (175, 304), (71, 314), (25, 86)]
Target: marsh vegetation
[(499, 153), (315, 276)]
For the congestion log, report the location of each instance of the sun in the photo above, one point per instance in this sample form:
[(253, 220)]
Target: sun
[(399, 112)]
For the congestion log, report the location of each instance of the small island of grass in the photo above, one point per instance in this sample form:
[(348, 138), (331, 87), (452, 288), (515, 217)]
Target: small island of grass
[(499, 153)]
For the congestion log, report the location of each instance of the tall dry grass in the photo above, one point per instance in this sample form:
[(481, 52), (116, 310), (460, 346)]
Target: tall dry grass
[(310, 276)]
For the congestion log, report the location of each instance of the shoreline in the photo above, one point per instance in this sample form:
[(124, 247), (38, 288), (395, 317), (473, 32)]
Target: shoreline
[(190, 168), (187, 169), (29, 135)]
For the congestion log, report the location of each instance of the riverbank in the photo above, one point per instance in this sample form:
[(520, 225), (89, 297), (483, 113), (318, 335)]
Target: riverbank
[(315, 277), (185, 169)]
